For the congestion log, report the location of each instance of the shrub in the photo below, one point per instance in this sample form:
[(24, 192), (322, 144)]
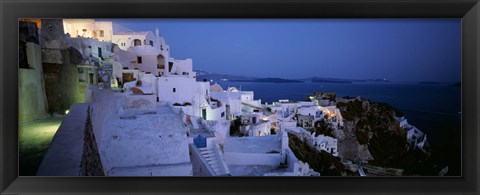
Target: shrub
[(235, 128)]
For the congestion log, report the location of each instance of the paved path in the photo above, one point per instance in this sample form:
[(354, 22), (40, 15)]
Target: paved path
[(64, 157), (34, 140)]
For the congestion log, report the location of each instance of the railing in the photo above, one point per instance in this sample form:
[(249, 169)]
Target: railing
[(199, 156), (223, 166)]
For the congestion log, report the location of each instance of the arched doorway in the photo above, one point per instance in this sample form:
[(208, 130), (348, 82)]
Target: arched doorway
[(161, 64), (137, 42)]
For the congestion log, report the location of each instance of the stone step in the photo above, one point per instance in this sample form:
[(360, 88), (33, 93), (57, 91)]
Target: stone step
[(206, 152), (209, 155), (212, 161)]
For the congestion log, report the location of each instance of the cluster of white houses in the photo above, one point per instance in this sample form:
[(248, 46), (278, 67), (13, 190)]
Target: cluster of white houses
[(177, 125)]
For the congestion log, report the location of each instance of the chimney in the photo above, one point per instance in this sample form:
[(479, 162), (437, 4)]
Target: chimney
[(157, 33)]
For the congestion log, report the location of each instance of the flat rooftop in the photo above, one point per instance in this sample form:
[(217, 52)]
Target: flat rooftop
[(253, 144), (144, 138), (251, 170)]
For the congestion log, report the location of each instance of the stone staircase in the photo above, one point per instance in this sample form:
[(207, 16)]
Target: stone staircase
[(213, 161)]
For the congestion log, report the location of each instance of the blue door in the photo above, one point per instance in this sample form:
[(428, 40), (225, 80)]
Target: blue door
[(200, 141)]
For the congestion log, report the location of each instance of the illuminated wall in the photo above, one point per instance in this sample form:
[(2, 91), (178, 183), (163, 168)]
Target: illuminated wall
[(32, 102)]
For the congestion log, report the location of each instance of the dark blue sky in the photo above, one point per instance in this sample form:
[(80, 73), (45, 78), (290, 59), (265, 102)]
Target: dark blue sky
[(395, 49)]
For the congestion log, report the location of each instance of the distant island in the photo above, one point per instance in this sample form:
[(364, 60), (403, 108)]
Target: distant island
[(329, 81), (269, 80), (457, 84), (429, 83), (337, 80), (452, 84), (204, 75)]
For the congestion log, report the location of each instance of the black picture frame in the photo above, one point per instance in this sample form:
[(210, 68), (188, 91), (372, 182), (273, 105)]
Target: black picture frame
[(468, 10)]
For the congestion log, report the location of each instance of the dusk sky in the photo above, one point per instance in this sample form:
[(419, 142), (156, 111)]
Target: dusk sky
[(395, 49)]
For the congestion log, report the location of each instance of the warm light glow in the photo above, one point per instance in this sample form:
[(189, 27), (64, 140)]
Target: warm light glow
[(66, 111)]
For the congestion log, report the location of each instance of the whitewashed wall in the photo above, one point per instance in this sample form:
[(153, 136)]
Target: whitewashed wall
[(235, 158), (184, 91)]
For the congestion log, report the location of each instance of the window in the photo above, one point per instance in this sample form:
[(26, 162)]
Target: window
[(100, 52), (223, 114), (170, 66), (102, 34), (174, 90), (139, 59), (151, 43)]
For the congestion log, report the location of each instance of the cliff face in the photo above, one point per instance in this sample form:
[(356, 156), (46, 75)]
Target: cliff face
[(371, 127)]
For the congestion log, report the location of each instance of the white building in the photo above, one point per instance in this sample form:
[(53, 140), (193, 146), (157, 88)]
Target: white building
[(149, 143), (178, 126), (237, 102), (320, 142), (325, 143), (284, 109), (402, 122), (259, 155), (88, 28), (416, 138)]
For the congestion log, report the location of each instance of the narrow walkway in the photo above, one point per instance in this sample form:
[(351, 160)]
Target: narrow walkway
[(65, 155), (34, 139)]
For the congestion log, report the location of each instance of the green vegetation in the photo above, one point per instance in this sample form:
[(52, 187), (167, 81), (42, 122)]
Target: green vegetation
[(350, 110), (235, 128), (322, 162), (184, 104), (272, 131), (322, 128)]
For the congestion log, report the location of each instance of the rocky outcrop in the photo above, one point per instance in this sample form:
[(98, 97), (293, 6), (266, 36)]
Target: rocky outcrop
[(373, 136), (376, 131)]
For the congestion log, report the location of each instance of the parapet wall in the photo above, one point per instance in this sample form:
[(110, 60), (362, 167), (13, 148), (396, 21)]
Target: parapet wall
[(236, 158), (91, 163), (105, 103)]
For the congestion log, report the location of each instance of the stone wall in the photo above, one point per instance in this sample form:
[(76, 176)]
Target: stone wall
[(199, 164), (62, 87), (91, 162), (32, 101)]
